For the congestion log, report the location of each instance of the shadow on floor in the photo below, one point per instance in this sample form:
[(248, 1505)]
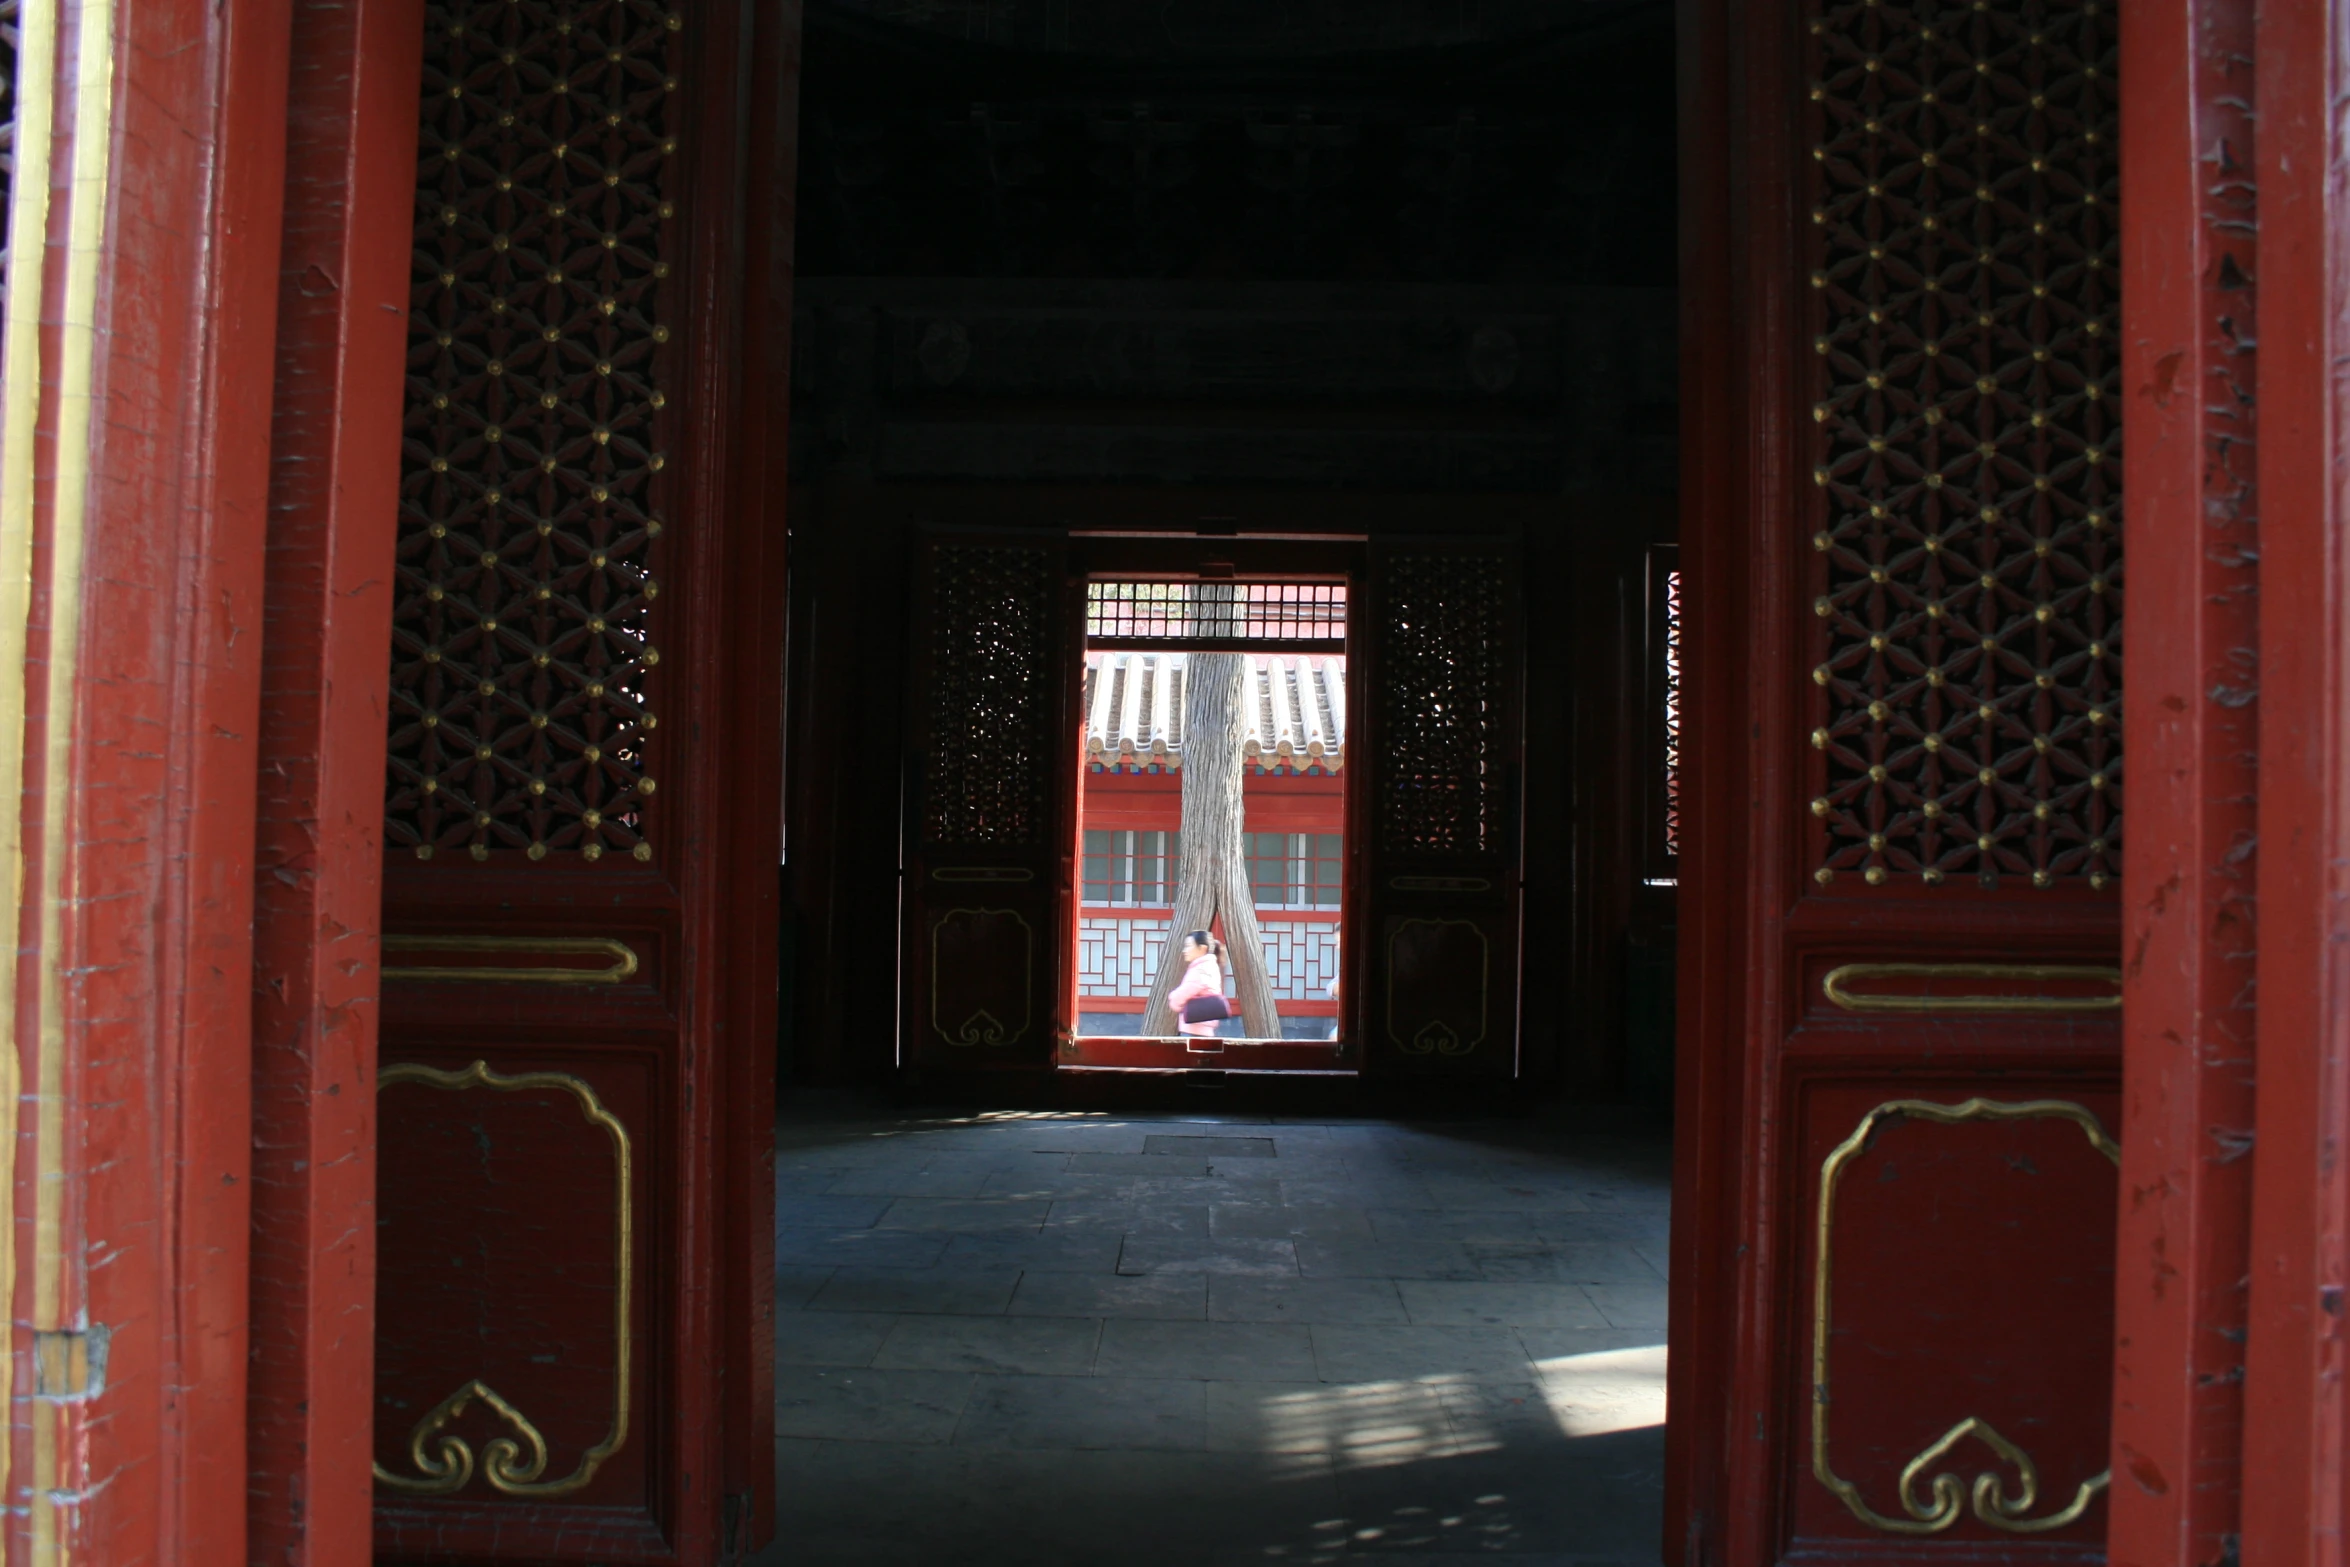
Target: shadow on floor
[(1071, 1338)]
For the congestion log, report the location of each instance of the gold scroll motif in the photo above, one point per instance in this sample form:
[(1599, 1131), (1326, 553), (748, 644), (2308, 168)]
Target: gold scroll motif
[(983, 1027), (623, 963), (1836, 987), (1435, 1036), (1991, 1503), (448, 1466)]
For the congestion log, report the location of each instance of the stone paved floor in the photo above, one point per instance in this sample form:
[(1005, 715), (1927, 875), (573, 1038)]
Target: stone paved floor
[(1212, 1340)]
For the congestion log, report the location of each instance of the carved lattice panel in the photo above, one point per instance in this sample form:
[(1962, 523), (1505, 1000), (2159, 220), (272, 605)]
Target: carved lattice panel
[(1440, 676), (990, 729), (522, 652), (1969, 464)]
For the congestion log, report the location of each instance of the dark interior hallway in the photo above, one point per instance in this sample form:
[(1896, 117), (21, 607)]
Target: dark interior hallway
[(1197, 1339)]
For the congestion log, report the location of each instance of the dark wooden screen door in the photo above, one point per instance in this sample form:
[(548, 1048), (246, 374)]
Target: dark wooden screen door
[(991, 777), (1896, 1196), (1441, 754), (577, 1046)]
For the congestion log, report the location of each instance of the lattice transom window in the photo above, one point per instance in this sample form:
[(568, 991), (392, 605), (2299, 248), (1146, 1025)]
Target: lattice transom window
[(1969, 464), (522, 652), (1136, 613)]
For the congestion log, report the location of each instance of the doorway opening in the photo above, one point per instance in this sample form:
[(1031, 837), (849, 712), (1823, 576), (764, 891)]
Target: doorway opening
[(1212, 799)]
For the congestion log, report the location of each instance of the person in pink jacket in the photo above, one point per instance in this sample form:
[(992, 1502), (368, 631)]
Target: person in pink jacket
[(1204, 977)]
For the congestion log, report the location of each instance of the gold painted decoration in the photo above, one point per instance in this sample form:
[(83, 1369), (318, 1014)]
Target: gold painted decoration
[(1948, 1498), (619, 959), (1440, 883), (1967, 440), (982, 976), (444, 1463), (1837, 986), (522, 652), (1426, 1015)]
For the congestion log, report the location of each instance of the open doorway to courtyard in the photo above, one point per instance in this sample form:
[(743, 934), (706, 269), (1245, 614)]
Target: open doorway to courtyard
[(1211, 894)]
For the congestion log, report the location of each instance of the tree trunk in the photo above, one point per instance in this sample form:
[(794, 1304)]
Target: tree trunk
[(1211, 873)]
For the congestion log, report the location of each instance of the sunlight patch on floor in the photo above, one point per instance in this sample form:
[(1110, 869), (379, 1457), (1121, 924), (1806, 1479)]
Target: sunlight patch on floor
[(1610, 1390), (1368, 1425), (1373, 1425)]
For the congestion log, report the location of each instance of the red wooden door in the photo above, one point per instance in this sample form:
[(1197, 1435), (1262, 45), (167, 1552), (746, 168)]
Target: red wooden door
[(1440, 790), (577, 1046), (991, 777), (1896, 1192)]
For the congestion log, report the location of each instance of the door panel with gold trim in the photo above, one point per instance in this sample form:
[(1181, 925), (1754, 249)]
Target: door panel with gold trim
[(1440, 807), (1895, 1188), (580, 818), (990, 777)]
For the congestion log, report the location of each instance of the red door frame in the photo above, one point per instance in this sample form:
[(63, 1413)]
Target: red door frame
[(143, 306), (2188, 873), (342, 344), (2230, 1436), (2296, 1467)]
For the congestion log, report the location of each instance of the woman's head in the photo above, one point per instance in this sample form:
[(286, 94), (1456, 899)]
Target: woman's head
[(1198, 944)]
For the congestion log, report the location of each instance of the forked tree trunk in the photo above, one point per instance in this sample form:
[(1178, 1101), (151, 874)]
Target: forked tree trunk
[(1211, 869)]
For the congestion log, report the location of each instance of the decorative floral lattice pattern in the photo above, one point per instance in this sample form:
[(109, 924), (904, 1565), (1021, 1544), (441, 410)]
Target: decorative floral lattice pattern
[(990, 732), (1441, 625), (1969, 470), (521, 655)]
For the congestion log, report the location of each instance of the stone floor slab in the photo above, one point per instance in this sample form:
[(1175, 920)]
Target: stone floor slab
[(1305, 1300), (1591, 1263), (798, 1248), (1386, 1260), (1033, 1346), (917, 1290), (831, 1338), (845, 1405), (1048, 1251), (1373, 1354), (1281, 1221), (1207, 1351), (1163, 1254), (1084, 1412), (1192, 1145), (963, 1216), (829, 1211), (1165, 1297), (1447, 1303)]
